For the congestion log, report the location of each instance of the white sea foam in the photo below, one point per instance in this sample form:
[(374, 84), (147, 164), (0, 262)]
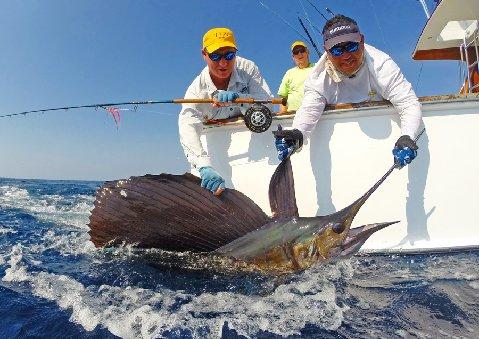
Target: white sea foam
[(72, 243), (68, 210), (474, 284), (6, 230), (133, 312)]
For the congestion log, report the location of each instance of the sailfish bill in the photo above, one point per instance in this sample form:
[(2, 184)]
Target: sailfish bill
[(173, 213), (291, 243)]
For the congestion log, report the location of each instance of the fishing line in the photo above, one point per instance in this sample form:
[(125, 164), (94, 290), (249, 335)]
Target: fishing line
[(379, 25), (282, 19), (419, 76)]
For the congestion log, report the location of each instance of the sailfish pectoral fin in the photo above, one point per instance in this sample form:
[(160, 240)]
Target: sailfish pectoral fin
[(357, 237)]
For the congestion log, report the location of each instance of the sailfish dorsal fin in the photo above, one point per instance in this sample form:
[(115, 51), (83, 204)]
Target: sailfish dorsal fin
[(282, 198)]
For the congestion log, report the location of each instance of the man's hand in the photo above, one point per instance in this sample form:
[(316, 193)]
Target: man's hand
[(405, 150), (210, 179), (287, 141), (221, 98)]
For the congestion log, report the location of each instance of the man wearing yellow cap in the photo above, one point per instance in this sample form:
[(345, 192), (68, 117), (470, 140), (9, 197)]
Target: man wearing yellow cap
[(225, 78), (292, 85)]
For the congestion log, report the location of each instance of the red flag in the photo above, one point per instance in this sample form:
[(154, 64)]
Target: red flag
[(115, 113)]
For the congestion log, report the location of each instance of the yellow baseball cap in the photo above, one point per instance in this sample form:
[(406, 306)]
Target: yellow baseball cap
[(216, 38), (298, 43)]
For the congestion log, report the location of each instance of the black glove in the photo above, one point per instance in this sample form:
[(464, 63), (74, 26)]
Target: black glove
[(406, 141), (287, 141), (404, 151)]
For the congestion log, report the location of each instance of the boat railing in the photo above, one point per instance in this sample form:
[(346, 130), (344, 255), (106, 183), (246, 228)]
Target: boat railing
[(469, 56)]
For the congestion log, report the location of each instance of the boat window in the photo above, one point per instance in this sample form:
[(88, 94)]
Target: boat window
[(457, 30)]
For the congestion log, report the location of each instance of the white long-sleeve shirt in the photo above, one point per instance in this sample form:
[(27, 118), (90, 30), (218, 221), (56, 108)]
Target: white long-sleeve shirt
[(379, 78), (245, 80)]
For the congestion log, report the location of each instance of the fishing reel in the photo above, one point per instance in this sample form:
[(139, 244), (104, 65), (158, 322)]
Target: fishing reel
[(258, 118)]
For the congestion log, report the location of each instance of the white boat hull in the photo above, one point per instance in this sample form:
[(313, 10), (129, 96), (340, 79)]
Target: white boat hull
[(436, 198)]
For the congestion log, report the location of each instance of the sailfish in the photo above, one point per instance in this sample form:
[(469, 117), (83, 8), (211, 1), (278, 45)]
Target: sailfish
[(173, 213)]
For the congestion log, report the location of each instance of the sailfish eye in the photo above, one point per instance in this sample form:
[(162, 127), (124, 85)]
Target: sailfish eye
[(338, 228)]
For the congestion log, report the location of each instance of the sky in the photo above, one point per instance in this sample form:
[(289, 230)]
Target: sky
[(59, 53)]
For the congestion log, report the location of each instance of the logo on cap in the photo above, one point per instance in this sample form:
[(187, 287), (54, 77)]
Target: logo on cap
[(218, 37), (340, 28)]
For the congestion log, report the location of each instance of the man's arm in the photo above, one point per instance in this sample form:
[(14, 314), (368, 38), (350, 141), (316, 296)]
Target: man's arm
[(190, 124), (258, 88), (283, 92), (312, 107), (398, 90), (282, 108)]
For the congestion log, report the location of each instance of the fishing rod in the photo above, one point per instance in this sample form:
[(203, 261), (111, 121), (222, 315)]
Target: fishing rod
[(257, 118), (316, 28), (330, 12), (309, 36), (275, 101), (309, 20), (282, 19), (317, 10)]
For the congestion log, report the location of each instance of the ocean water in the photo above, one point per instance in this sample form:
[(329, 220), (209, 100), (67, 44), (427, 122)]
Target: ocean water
[(55, 283)]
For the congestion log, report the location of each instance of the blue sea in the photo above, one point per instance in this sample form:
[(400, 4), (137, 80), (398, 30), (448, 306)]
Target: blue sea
[(55, 284)]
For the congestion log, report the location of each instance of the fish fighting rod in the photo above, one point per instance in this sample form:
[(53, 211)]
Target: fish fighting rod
[(309, 37), (257, 118), (317, 10)]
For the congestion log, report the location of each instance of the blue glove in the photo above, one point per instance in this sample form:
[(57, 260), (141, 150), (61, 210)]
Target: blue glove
[(405, 150), (226, 96), (210, 179), (287, 141)]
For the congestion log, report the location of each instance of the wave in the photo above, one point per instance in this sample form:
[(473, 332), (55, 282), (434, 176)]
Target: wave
[(71, 210), (138, 312)]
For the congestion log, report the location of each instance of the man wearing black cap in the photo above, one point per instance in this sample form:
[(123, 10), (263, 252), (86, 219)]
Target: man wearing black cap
[(352, 72)]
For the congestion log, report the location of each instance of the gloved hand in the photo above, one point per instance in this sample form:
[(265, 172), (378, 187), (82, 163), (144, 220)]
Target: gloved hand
[(210, 179), (226, 96), (405, 150), (287, 141)]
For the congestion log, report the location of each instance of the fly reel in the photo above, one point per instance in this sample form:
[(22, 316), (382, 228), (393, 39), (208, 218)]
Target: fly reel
[(258, 118)]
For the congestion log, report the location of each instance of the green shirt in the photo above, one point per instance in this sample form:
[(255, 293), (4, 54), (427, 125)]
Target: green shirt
[(292, 86)]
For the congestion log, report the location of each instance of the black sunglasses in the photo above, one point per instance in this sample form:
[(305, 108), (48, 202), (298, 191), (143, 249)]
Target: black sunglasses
[(296, 51), (217, 56)]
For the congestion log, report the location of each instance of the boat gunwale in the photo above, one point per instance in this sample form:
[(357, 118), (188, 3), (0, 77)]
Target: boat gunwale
[(340, 109)]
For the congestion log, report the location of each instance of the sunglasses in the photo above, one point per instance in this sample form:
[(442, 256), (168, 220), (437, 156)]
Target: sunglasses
[(350, 47), (299, 50), (217, 56)]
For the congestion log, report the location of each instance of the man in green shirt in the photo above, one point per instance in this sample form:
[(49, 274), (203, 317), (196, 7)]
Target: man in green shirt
[(292, 85)]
